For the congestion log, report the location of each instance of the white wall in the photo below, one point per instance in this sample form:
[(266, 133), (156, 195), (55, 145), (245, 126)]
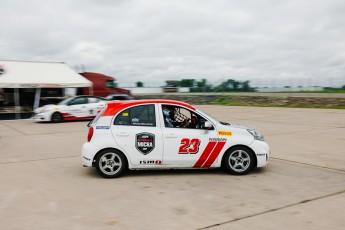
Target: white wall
[(140, 90)]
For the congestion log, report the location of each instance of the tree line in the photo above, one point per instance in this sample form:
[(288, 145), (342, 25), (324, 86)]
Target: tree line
[(202, 85)]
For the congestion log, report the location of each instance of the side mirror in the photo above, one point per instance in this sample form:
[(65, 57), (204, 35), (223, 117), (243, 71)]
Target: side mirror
[(208, 125)]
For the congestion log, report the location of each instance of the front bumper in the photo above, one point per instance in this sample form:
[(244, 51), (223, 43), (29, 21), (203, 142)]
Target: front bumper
[(262, 152), (42, 116)]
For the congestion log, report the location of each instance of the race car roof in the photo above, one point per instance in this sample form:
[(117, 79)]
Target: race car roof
[(116, 106)]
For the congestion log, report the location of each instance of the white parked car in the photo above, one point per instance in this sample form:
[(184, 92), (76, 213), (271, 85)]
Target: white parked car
[(118, 97), (73, 108), (143, 134)]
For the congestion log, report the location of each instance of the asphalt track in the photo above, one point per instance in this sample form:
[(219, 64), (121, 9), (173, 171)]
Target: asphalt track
[(43, 185)]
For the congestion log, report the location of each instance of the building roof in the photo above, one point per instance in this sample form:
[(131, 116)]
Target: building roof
[(24, 74)]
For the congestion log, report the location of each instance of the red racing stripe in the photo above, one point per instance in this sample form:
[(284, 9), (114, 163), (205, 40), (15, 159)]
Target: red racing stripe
[(209, 148), (78, 118), (214, 154)]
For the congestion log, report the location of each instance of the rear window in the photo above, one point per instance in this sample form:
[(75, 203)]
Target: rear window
[(143, 115)]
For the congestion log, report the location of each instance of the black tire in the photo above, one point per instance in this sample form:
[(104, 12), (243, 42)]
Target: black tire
[(110, 163), (238, 160), (56, 117)]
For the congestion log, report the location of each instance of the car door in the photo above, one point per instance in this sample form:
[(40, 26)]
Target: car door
[(77, 107), (187, 145), (94, 106), (137, 132)]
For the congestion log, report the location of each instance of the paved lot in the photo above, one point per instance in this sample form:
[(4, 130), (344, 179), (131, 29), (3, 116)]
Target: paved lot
[(43, 185)]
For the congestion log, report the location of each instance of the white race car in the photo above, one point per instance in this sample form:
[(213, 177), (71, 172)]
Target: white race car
[(73, 108), (145, 134)]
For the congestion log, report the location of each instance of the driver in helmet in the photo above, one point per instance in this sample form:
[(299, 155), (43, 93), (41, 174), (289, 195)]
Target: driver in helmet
[(168, 113)]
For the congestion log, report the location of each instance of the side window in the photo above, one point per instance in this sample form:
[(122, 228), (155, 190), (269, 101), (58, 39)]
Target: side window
[(143, 115), (122, 118), (176, 117), (179, 117), (92, 100), (78, 101)]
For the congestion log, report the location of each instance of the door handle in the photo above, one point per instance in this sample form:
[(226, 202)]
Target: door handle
[(122, 134), (171, 135)]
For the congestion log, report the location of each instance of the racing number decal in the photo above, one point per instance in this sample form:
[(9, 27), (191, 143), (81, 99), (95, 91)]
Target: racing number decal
[(189, 146)]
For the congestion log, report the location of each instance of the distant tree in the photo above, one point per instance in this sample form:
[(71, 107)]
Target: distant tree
[(222, 87), (234, 86), (186, 83), (343, 87), (140, 84), (246, 87), (201, 84)]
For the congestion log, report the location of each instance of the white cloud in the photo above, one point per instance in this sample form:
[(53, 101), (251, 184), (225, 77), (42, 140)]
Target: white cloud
[(154, 41)]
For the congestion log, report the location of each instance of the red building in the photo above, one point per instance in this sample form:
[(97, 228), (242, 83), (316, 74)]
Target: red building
[(103, 85)]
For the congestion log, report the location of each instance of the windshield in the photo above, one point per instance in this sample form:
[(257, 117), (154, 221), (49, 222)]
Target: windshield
[(65, 102), (215, 119), (207, 115)]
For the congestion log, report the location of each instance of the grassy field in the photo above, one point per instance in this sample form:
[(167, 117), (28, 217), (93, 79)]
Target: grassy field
[(226, 102), (321, 91)]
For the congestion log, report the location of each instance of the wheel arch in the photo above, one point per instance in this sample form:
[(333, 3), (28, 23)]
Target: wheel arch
[(243, 146), (109, 148), (56, 112)]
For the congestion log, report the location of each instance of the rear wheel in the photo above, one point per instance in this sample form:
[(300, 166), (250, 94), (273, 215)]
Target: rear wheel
[(110, 163), (239, 160), (56, 117)]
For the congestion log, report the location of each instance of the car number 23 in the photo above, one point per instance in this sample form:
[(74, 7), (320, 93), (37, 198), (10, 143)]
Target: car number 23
[(190, 146)]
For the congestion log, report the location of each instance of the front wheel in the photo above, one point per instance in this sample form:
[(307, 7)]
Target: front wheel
[(110, 163), (238, 161), (56, 117)]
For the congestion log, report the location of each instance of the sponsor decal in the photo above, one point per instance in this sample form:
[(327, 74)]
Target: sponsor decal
[(135, 120), (145, 142), (2, 70), (152, 162), (211, 152), (261, 154), (124, 114), (217, 139), (86, 158), (224, 133), (102, 127)]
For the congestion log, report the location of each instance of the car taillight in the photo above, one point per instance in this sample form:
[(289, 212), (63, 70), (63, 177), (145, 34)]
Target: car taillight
[(89, 136)]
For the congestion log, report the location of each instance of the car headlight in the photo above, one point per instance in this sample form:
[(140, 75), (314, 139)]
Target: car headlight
[(257, 136)]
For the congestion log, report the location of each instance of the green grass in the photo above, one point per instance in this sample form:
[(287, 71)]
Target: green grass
[(321, 91), (226, 102)]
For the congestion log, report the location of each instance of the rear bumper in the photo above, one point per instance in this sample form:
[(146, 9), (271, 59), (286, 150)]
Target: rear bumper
[(88, 153)]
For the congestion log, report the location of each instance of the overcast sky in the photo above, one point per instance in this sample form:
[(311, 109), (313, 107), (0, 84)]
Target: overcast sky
[(154, 41)]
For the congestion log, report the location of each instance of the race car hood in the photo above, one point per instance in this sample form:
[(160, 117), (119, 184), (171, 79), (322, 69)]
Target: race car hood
[(236, 132), (226, 125)]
